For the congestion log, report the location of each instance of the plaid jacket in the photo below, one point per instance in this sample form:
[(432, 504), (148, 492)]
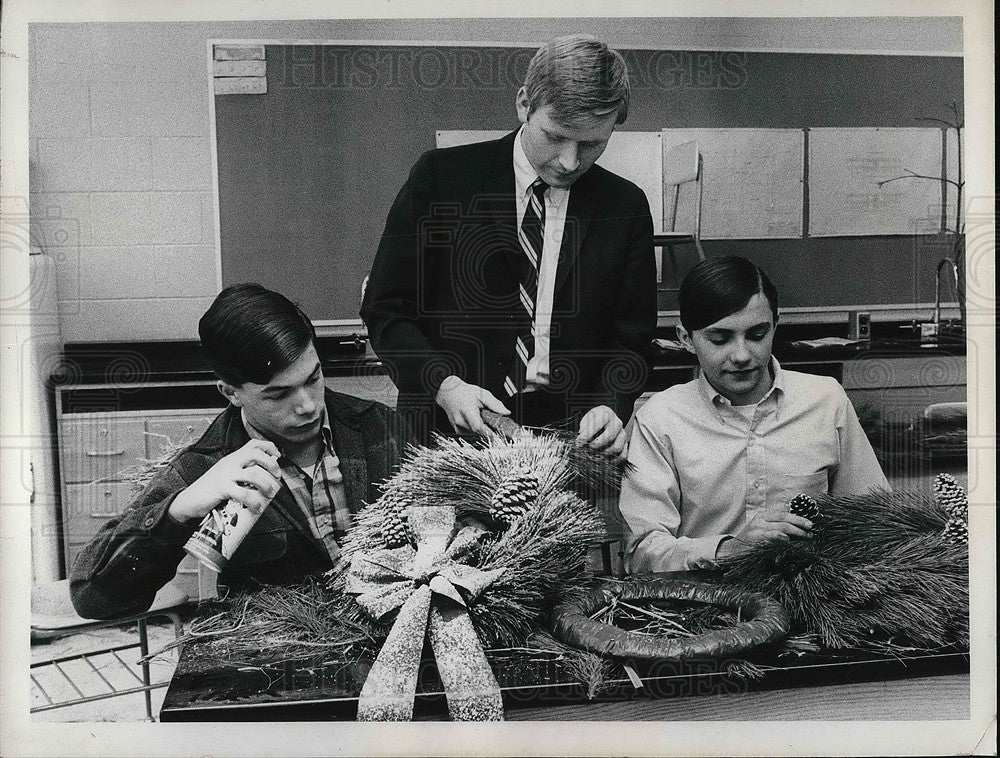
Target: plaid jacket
[(134, 555)]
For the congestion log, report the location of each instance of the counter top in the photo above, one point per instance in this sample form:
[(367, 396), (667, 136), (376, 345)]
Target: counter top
[(183, 362)]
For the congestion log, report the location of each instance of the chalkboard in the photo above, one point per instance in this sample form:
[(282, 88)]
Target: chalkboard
[(308, 171)]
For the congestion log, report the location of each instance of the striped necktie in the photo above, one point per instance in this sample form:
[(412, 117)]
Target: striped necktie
[(531, 236)]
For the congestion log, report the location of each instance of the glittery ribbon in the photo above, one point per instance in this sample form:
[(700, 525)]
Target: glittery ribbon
[(431, 589)]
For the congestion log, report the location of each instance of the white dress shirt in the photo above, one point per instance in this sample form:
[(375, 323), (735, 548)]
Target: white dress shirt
[(556, 201), (703, 468)]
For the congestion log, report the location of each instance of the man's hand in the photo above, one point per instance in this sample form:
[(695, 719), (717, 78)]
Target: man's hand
[(603, 431), (250, 475), (464, 402), (772, 525)]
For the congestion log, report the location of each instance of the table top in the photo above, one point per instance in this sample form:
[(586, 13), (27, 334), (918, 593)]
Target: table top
[(926, 698), (831, 685)]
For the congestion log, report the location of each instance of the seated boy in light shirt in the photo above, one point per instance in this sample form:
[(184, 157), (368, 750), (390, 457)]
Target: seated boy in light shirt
[(717, 460)]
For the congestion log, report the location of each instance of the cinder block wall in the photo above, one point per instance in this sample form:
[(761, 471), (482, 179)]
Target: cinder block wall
[(121, 182), (121, 172)]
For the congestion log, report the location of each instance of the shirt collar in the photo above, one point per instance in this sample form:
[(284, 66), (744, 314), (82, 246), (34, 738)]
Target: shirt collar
[(255, 434), (525, 175), (715, 398)]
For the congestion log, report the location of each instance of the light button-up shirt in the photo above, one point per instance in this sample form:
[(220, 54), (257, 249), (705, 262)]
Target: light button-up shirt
[(703, 468)]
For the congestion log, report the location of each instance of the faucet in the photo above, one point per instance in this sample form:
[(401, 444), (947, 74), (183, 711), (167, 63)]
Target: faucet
[(950, 265)]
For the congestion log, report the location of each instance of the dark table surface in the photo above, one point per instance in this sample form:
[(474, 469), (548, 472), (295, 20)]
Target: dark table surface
[(848, 684)]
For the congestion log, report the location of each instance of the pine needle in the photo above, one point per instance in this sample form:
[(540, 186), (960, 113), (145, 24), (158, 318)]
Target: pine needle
[(875, 575)]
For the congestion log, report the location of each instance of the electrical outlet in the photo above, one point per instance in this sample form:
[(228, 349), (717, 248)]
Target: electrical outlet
[(859, 325)]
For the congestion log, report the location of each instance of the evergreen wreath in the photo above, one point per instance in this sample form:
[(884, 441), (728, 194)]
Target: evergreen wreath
[(521, 489), (884, 571), (731, 621)]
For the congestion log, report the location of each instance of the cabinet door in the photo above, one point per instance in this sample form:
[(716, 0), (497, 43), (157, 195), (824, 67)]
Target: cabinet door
[(100, 447), (72, 551), (165, 434), (901, 388), (89, 506)]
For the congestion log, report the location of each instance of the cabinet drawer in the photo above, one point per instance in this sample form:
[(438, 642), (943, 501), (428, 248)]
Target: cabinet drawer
[(933, 370), (188, 565), (89, 506), (187, 577), (167, 433), (187, 583), (100, 448)]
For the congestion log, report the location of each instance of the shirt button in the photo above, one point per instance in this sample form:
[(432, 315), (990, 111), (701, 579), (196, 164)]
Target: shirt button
[(149, 522)]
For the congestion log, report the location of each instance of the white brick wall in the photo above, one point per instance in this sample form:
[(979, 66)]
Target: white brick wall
[(121, 183)]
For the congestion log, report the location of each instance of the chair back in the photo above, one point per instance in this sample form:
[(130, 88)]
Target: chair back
[(683, 176)]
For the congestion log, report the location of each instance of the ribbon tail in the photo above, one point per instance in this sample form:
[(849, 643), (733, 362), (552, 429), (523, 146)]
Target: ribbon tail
[(472, 690), (389, 689)]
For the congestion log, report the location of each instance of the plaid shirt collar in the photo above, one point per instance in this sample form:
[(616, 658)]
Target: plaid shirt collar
[(319, 493), (255, 434)]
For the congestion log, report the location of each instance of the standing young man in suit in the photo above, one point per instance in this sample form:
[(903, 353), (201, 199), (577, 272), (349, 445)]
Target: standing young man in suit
[(516, 275), (302, 456)]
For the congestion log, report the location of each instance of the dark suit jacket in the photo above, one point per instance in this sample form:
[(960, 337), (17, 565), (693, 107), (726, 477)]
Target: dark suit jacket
[(442, 296), (122, 568)]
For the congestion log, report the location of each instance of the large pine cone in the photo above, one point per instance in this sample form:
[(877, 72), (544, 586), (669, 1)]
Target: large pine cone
[(956, 532), (396, 530), (805, 506), (950, 496), (517, 493)]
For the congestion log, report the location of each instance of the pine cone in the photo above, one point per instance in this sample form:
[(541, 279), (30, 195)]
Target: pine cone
[(956, 532), (396, 529), (805, 506), (951, 497), (517, 493)]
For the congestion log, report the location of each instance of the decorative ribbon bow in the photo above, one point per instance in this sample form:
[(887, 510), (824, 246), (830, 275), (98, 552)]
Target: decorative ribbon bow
[(431, 590)]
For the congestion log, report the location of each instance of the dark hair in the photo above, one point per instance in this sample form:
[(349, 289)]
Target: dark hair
[(579, 76), (249, 334), (719, 287)]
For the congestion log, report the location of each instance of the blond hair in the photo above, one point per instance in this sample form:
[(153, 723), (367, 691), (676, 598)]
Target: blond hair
[(579, 76)]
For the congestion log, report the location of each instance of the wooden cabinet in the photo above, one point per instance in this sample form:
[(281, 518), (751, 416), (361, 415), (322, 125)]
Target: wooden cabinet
[(900, 388), (100, 445), (101, 454)]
